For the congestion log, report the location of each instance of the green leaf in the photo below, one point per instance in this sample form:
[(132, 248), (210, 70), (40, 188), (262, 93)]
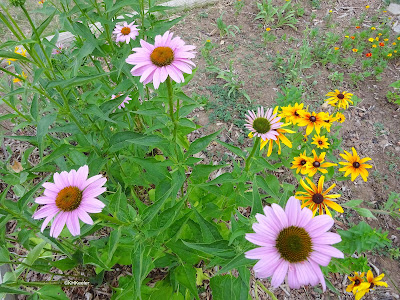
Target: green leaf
[(201, 143), (200, 173), (4, 289), (43, 128), (78, 80), (52, 292), (113, 241), (364, 212), (9, 54), (22, 203), (209, 231), (256, 207), (233, 149), (121, 140), (44, 25), (225, 287), (166, 189), (234, 263), (141, 266), (186, 275), (271, 185), (352, 203), (64, 264), (218, 248)]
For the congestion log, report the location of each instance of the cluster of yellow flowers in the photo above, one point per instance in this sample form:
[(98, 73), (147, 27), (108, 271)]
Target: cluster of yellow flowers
[(359, 286), (19, 51)]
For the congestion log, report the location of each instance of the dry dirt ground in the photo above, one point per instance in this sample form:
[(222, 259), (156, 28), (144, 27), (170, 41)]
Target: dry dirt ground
[(373, 127)]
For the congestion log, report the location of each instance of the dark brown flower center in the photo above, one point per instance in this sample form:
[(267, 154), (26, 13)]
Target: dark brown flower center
[(340, 96), (296, 114), (313, 119), (357, 282), (261, 125), (125, 30), (162, 56), (69, 198), (294, 244), (356, 164), (317, 198), (316, 164), (303, 162), (371, 285), (320, 142)]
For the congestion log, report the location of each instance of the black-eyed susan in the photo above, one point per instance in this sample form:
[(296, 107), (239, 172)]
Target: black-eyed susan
[(311, 120), (316, 199), (329, 119), (354, 165), (356, 280), (291, 113), (371, 282), (281, 137), (18, 79), (316, 163), (320, 141), (340, 117), (339, 99), (299, 163), (18, 51)]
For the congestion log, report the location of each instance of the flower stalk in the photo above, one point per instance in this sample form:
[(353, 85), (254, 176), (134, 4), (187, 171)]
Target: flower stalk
[(248, 159)]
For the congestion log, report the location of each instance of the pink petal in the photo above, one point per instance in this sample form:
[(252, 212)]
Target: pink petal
[(51, 187), (264, 231), (84, 216), (318, 273), (45, 211), (280, 273), (328, 250), (274, 223), (280, 214), (259, 240), (73, 223), (44, 200), (266, 267), (93, 192), (58, 224), (292, 280), (320, 258), (92, 179), (292, 211), (327, 238), (82, 175), (47, 220), (156, 78), (305, 217), (319, 225), (92, 206), (259, 253)]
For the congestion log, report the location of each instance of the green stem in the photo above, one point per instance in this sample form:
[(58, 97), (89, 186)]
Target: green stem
[(266, 290), (248, 159), (110, 219), (171, 111)]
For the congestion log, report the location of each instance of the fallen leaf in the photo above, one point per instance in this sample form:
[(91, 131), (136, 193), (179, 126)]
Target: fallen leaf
[(17, 167)]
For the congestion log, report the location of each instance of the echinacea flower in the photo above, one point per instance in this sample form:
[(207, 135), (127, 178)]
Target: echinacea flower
[(311, 120), (316, 163), (167, 57), (300, 163), (320, 141), (264, 124), (316, 199), (371, 282), (70, 198), (354, 165), (126, 100), (291, 114), (293, 244), (339, 99), (356, 280), (126, 32), (59, 48), (19, 51)]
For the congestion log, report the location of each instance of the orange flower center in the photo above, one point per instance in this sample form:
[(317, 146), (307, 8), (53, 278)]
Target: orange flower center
[(69, 198), (125, 30), (317, 198), (162, 56)]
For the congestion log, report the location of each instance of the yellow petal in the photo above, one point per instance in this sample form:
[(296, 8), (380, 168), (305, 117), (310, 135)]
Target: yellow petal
[(334, 205), (321, 184), (328, 189)]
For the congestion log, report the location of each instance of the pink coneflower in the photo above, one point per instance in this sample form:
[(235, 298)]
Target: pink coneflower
[(59, 48), (70, 198), (126, 32), (167, 57), (122, 105), (263, 124), (293, 243)]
